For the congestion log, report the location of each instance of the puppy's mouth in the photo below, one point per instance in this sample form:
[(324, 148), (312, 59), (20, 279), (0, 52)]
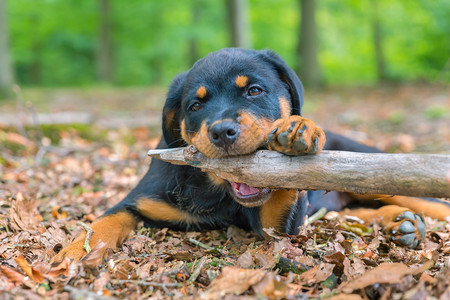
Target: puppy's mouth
[(249, 196)]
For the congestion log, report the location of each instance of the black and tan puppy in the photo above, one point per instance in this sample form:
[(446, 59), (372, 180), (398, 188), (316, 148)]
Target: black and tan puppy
[(234, 102)]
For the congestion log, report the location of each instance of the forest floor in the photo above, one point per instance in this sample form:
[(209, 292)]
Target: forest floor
[(53, 175)]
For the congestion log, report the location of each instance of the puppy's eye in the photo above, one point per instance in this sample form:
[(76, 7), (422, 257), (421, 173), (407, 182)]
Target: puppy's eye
[(254, 91), (196, 106)]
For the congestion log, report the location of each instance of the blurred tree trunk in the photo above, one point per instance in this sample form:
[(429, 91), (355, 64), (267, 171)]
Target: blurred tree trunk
[(35, 65), (104, 53), (239, 23), (378, 43), (6, 72), (193, 48), (308, 69)]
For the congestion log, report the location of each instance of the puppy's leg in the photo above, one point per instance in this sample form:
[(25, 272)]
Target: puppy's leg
[(275, 212), (111, 229), (404, 226), (296, 136)]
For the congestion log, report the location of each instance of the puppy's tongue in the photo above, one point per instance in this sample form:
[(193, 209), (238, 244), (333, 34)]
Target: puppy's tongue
[(244, 189)]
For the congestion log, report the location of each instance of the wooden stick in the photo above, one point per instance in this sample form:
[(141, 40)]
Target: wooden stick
[(197, 270), (420, 175)]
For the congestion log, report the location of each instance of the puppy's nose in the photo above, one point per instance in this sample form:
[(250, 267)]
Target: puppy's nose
[(224, 134)]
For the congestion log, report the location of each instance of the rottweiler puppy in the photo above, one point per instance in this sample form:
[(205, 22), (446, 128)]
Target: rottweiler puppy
[(234, 102)]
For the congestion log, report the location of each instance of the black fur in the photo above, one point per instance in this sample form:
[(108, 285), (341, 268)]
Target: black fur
[(189, 189)]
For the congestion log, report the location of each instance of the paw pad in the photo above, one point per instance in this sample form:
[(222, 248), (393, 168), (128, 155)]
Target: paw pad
[(296, 136), (408, 230)]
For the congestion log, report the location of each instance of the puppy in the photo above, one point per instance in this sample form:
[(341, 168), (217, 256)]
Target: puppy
[(234, 102)]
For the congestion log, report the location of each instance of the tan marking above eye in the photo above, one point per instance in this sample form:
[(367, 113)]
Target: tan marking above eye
[(241, 81), (201, 92)]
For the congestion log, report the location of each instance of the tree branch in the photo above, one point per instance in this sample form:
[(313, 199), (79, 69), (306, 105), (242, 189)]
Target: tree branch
[(420, 175)]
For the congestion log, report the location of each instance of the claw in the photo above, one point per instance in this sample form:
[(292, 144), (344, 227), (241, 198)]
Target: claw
[(316, 147), (271, 135)]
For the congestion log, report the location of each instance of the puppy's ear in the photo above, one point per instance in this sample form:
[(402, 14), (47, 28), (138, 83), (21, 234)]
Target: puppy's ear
[(287, 75), (171, 113)]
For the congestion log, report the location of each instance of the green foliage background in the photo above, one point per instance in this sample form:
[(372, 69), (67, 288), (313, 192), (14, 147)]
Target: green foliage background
[(151, 38)]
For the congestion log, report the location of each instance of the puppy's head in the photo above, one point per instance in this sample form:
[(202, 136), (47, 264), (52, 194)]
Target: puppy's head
[(226, 103)]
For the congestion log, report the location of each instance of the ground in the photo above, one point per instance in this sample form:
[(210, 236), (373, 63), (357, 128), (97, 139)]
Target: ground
[(55, 175)]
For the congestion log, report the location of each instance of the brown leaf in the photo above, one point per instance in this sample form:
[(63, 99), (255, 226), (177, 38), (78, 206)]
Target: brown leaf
[(384, 273), (22, 214), (16, 138), (245, 260), (234, 281), (103, 279), (317, 274), (95, 257), (34, 274), (336, 258), (271, 286), (345, 297), (12, 275), (61, 269), (354, 269)]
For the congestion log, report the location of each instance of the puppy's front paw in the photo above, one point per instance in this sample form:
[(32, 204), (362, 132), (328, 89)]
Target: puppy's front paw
[(296, 136), (74, 251)]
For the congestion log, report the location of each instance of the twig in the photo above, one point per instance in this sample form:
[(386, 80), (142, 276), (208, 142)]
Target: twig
[(89, 233), (317, 216), (149, 283), (83, 294), (204, 246), (197, 270)]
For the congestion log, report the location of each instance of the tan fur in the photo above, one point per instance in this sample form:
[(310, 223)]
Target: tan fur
[(285, 107), (252, 134), (161, 211), (110, 229), (273, 212), (310, 132), (184, 134), (201, 92), (241, 81), (420, 206)]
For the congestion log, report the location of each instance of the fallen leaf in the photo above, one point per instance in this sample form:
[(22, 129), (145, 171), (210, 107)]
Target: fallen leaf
[(234, 281), (22, 214), (317, 274), (12, 275), (271, 286), (245, 260), (384, 273), (61, 269), (34, 275)]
